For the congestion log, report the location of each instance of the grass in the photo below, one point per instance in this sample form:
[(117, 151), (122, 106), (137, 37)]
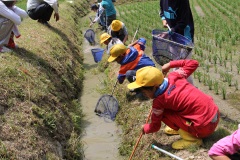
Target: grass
[(40, 84)]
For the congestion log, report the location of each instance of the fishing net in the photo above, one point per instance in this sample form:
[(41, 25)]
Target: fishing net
[(167, 47), (90, 36), (107, 106)]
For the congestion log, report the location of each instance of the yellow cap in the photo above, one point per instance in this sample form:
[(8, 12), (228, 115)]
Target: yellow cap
[(116, 25), (104, 37), (147, 77), (116, 50)]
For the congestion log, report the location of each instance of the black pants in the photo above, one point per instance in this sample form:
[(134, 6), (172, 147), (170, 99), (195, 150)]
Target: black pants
[(110, 19), (42, 12)]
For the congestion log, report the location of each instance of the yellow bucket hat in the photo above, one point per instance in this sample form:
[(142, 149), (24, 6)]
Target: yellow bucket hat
[(104, 37), (147, 77), (116, 25), (116, 50)]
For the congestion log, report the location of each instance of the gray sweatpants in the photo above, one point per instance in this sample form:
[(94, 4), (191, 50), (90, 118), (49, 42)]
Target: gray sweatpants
[(6, 27)]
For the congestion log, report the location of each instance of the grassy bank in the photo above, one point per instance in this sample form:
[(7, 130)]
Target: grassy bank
[(40, 85)]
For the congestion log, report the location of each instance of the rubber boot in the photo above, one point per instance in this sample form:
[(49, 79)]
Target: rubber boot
[(186, 141), (170, 131)]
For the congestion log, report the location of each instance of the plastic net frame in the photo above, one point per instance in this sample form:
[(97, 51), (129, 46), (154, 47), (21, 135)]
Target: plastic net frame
[(170, 47), (107, 106)]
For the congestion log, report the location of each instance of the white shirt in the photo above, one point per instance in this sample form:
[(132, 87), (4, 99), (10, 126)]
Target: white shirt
[(99, 13), (32, 4), (9, 14)]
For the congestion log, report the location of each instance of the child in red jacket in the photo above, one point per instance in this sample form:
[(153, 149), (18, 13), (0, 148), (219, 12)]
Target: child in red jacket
[(177, 103)]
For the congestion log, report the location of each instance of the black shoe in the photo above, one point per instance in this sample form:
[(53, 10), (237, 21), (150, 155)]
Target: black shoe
[(44, 23)]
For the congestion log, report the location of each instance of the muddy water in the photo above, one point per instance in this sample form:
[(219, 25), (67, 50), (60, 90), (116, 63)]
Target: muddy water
[(101, 139)]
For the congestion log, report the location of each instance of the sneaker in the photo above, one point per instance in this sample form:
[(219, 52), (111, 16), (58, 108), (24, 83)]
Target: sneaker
[(4, 49)]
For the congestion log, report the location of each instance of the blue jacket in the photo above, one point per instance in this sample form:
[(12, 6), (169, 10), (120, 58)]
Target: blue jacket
[(133, 60)]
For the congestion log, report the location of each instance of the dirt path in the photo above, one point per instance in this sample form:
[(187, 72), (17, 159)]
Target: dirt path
[(101, 139)]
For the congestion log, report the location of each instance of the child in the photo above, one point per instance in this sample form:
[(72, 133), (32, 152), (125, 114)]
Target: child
[(106, 39), (110, 41), (177, 103), (8, 19), (100, 15), (118, 29), (226, 148), (15, 32), (130, 60), (139, 44)]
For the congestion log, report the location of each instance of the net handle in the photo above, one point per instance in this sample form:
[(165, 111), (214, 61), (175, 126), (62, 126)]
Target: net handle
[(169, 28), (135, 33), (140, 136), (178, 44), (114, 86)]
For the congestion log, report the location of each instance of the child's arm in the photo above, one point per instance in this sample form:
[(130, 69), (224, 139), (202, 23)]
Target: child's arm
[(22, 13), (156, 118), (186, 67), (9, 14), (121, 78)]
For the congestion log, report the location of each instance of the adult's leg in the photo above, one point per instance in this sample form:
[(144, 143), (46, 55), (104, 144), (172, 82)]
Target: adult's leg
[(110, 19), (42, 12)]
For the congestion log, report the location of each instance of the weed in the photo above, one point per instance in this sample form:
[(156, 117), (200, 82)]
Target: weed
[(210, 83), (236, 85), (228, 78), (216, 87), (215, 57), (223, 92)]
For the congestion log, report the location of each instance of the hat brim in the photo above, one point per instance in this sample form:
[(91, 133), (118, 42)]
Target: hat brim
[(111, 59), (133, 85), (102, 41)]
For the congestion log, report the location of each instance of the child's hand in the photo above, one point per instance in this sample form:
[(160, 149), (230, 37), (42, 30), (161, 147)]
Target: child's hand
[(163, 35), (56, 16), (165, 24), (143, 132), (91, 24), (165, 68)]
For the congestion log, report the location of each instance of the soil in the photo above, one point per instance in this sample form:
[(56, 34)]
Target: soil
[(101, 139)]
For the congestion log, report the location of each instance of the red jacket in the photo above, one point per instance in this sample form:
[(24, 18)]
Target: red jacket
[(182, 98)]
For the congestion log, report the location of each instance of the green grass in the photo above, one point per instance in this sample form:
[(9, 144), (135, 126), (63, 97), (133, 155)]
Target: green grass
[(40, 85)]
